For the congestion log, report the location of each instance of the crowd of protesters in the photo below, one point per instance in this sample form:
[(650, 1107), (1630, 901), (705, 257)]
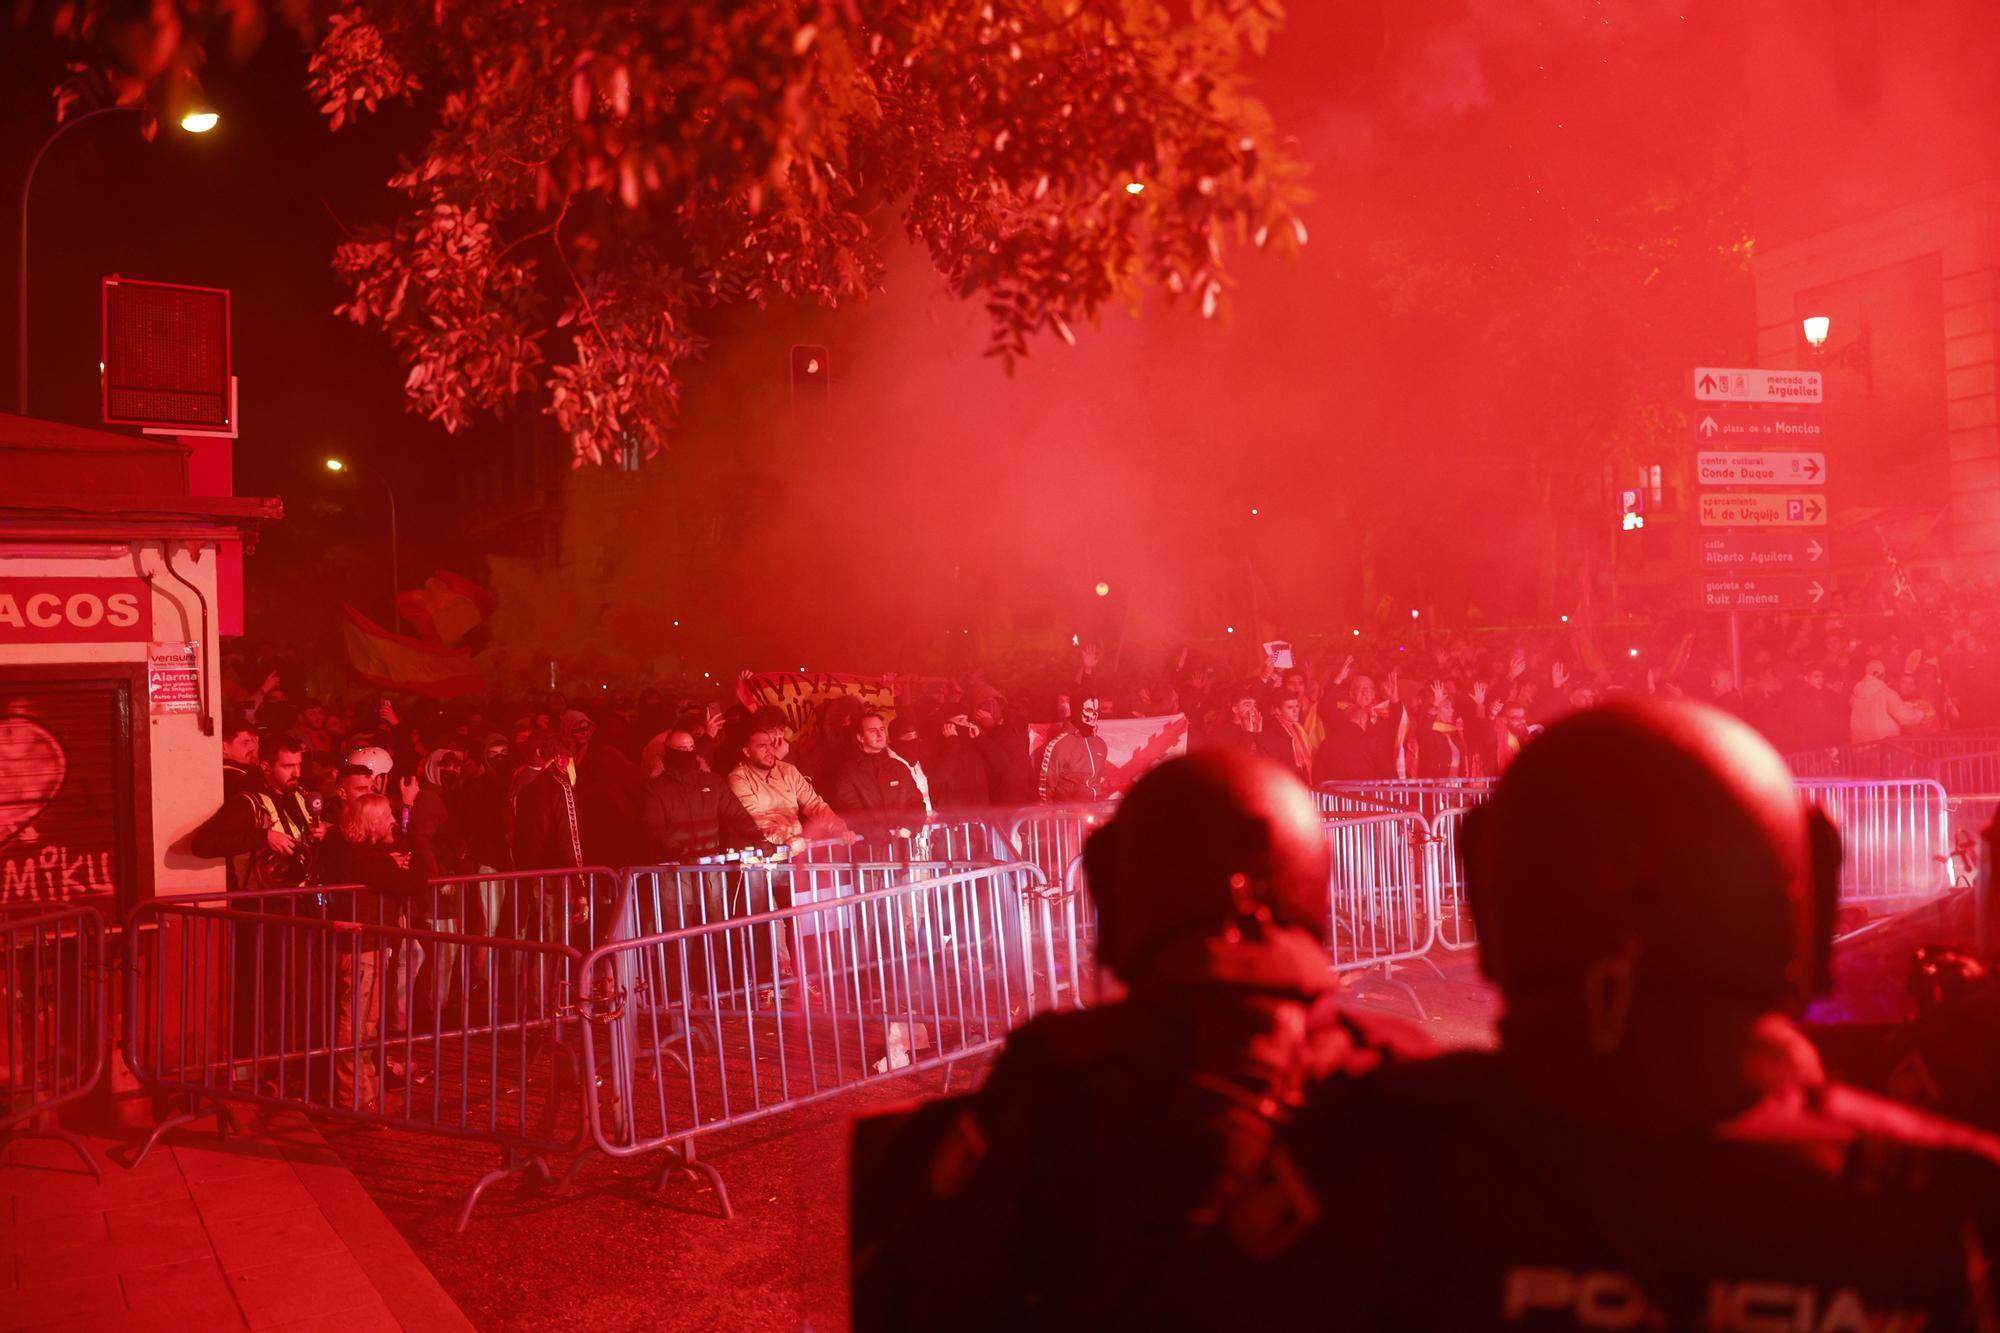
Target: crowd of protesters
[(636, 777)]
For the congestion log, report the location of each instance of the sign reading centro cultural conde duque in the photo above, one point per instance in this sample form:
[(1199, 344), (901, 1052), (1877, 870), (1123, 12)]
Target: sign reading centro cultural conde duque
[(75, 610)]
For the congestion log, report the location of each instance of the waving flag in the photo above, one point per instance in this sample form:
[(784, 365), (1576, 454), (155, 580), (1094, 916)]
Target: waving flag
[(1132, 745), (399, 662)]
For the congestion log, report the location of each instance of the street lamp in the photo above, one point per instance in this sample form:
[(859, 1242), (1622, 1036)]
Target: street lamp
[(198, 119), (395, 557), (1816, 328)]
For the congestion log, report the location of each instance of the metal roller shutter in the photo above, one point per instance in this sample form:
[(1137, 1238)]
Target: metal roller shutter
[(66, 792)]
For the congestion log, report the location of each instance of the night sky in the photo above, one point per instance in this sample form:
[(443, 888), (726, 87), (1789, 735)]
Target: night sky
[(1483, 285)]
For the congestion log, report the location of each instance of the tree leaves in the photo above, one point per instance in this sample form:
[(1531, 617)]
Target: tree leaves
[(760, 149)]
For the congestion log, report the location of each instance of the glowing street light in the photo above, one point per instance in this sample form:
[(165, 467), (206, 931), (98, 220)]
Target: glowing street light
[(199, 120), (1816, 329), (1102, 590), (1135, 187), (340, 465)]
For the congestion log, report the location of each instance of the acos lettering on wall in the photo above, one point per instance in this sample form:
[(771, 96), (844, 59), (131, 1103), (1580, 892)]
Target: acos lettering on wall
[(75, 610)]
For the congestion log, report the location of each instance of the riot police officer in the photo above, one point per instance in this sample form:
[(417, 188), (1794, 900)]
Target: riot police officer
[(1654, 1145), (1116, 1169)]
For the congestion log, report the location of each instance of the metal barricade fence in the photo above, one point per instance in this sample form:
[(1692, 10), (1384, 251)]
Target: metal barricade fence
[(318, 999), (964, 841), (714, 1025), (1827, 762), (1380, 894), (1455, 930), (1429, 797), (1049, 837), (1895, 838), (1920, 755), (1967, 774), (54, 1038)]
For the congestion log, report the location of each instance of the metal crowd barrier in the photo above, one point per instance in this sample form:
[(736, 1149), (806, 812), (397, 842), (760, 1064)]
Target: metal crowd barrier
[(1967, 774), (717, 1023), (1382, 896), (1933, 755), (1895, 835), (1428, 797), (54, 1038), (319, 1000), (1049, 837), (1455, 930), (964, 841)]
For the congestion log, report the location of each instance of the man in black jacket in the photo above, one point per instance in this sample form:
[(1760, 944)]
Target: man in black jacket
[(954, 767), (1247, 731), (677, 810), (875, 789), (546, 834), (265, 829)]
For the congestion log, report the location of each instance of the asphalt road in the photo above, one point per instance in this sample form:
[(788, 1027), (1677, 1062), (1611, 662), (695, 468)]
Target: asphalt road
[(613, 1253)]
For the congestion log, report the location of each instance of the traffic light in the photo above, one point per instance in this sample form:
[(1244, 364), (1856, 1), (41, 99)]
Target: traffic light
[(1631, 509)]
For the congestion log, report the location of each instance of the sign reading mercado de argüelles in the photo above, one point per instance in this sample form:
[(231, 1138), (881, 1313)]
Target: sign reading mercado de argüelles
[(1744, 384), (1760, 549)]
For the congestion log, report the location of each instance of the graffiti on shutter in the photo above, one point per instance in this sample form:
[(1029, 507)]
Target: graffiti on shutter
[(65, 791)]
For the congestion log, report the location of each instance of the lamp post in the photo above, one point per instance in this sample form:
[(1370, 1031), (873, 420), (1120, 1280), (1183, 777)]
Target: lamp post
[(395, 558), (198, 120)]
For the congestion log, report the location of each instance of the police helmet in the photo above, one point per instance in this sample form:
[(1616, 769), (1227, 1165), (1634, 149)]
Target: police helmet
[(1215, 841), (1662, 842)]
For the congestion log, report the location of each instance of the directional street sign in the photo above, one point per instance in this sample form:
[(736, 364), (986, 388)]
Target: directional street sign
[(1761, 592), (1758, 427), (1725, 509), (1742, 384), (1762, 550), (1762, 467)]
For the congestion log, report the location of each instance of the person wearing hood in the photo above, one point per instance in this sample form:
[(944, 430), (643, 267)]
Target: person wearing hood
[(1875, 711), (1002, 746), (953, 766), (607, 794), (1073, 762), (437, 850), (678, 806)]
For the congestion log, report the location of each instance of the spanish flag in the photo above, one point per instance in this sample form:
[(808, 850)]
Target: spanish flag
[(399, 662)]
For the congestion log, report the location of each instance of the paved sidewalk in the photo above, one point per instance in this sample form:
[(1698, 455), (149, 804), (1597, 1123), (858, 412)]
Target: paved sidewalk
[(265, 1230)]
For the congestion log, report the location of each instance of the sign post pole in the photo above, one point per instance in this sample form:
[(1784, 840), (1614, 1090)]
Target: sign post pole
[(1736, 651)]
